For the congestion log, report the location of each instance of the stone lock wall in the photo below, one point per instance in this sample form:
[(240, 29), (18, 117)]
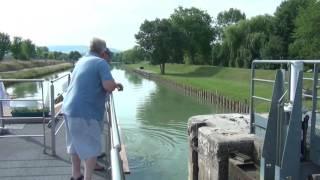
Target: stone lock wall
[(211, 139)]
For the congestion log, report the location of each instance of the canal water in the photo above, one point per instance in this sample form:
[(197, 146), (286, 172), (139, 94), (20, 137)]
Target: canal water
[(153, 120)]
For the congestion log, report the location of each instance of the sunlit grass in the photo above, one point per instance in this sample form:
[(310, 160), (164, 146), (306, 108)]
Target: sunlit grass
[(231, 82)]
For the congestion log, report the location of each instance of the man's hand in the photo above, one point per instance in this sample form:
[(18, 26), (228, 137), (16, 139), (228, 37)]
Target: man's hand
[(119, 87)]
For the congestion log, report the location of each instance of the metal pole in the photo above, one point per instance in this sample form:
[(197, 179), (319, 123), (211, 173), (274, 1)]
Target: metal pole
[(289, 79), (69, 79), (314, 136), (108, 135), (115, 130), (43, 121), (252, 120), (2, 129), (53, 122), (296, 67), (116, 165), (1, 115)]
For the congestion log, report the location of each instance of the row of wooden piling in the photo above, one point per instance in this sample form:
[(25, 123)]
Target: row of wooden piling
[(202, 95)]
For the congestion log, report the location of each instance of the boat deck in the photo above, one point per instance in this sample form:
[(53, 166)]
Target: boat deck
[(24, 157)]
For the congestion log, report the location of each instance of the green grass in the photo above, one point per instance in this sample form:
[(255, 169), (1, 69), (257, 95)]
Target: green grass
[(230, 82)]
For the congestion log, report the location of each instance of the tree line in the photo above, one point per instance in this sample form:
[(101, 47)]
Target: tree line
[(25, 49), (192, 36)]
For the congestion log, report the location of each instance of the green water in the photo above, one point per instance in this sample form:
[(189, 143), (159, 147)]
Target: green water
[(153, 120)]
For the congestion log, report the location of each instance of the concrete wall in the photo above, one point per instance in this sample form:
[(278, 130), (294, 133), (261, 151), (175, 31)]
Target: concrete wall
[(211, 139)]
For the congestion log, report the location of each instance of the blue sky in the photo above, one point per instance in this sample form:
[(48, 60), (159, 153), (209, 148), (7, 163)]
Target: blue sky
[(75, 22)]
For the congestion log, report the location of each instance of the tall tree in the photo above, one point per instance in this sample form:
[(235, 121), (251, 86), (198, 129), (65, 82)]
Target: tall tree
[(227, 18), (28, 49), (177, 45), (134, 55), (285, 16), (16, 47), (232, 16), (42, 52), (4, 44), (198, 33), (306, 34), (155, 38), (74, 55)]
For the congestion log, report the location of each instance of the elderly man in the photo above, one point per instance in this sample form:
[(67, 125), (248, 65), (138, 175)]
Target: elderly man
[(107, 55), (84, 107)]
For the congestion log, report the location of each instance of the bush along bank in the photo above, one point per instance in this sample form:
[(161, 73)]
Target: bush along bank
[(15, 65), (35, 72)]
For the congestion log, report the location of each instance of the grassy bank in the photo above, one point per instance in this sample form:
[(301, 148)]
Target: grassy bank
[(35, 72), (14, 65), (230, 82)]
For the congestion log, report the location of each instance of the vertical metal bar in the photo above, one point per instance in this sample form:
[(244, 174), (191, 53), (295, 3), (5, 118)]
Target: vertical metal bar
[(53, 122), (108, 135), (69, 79), (116, 165), (289, 79), (278, 132), (252, 120), (314, 91), (314, 139), (1, 115), (43, 121)]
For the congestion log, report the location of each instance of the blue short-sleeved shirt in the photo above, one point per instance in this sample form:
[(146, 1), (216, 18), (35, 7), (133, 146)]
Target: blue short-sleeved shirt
[(85, 97)]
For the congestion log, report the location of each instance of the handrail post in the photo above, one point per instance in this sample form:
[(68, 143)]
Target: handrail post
[(1, 115), (43, 122), (69, 79), (2, 130), (53, 121), (108, 135), (252, 120)]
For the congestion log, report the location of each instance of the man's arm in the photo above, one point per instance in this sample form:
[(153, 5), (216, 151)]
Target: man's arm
[(111, 85)]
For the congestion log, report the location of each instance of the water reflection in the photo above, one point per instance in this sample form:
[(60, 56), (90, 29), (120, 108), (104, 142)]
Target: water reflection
[(24, 89), (133, 78)]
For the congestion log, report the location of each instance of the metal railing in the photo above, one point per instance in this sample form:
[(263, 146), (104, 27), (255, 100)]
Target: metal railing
[(54, 115), (3, 119), (254, 97), (114, 140)]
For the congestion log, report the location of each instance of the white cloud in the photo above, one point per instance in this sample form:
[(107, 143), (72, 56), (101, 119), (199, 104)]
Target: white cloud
[(52, 22)]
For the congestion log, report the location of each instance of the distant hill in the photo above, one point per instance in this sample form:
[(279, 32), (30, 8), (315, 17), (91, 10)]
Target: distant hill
[(68, 48)]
